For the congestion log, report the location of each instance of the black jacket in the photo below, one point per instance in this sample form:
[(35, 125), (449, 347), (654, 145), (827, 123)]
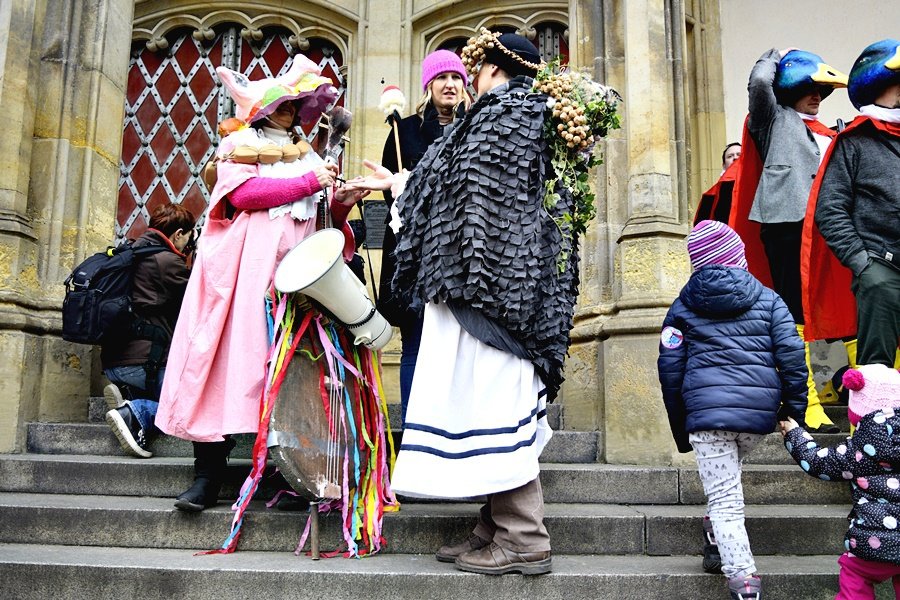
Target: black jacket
[(416, 135), (477, 232), (870, 462), (160, 281), (734, 358)]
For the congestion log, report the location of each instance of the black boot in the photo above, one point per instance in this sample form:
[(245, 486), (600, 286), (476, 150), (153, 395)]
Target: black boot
[(210, 465)]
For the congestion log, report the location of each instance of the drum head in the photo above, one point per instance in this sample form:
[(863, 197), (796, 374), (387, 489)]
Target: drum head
[(309, 260), (300, 438)]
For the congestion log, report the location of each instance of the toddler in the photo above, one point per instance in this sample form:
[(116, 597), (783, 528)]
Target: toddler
[(730, 362), (870, 461)]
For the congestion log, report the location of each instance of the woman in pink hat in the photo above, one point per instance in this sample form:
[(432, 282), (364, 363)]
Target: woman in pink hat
[(444, 82)]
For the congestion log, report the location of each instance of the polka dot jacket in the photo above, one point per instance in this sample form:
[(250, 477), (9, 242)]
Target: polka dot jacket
[(870, 462)]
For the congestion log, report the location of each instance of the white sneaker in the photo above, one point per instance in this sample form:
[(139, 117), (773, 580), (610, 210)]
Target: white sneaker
[(113, 397)]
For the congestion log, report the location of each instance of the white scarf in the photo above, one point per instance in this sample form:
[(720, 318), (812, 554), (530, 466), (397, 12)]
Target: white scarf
[(822, 141), (888, 115)]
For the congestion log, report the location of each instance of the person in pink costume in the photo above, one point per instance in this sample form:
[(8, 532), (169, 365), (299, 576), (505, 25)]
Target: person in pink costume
[(262, 205)]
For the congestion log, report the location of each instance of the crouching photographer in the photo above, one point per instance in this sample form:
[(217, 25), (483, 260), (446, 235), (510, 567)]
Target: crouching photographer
[(135, 360)]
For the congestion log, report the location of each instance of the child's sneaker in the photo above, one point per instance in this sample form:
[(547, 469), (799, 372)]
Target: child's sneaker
[(712, 562), (745, 588)]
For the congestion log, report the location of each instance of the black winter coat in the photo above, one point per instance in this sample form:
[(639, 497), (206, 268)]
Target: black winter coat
[(858, 211), (730, 355), (870, 462), (416, 135)]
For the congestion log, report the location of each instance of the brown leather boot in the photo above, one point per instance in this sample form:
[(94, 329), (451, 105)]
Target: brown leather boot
[(449, 553), (496, 560)]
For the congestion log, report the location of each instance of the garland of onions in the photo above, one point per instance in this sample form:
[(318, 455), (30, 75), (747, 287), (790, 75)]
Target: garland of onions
[(581, 112)]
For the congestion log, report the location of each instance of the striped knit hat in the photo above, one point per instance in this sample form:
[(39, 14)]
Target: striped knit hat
[(715, 243)]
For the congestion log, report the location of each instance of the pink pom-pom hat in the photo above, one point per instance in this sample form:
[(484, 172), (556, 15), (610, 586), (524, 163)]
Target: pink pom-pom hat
[(872, 388)]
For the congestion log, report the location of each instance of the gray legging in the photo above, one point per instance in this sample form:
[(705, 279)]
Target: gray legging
[(719, 455)]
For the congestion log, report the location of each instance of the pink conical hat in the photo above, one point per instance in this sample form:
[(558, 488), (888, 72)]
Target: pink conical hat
[(257, 99)]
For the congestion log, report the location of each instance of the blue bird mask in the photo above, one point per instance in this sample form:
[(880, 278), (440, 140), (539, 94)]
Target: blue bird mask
[(876, 68), (800, 72)]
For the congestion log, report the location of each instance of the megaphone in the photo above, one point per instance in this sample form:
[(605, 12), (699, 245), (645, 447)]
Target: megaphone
[(316, 267)]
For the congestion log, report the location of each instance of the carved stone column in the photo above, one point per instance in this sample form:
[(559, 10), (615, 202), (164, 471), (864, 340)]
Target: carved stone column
[(635, 258), (62, 80)]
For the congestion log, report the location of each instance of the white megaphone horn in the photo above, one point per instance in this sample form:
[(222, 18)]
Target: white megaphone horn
[(316, 267)]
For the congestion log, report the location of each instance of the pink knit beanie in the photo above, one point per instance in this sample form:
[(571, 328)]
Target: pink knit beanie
[(442, 61), (872, 388), (715, 243)]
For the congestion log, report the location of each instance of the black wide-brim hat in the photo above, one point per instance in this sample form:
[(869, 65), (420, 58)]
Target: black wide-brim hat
[(521, 47)]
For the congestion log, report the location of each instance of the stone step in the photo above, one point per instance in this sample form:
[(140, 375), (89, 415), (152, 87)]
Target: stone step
[(838, 414), (567, 483), (415, 529), (771, 450), (564, 447), (98, 439), (97, 409), (35, 572)]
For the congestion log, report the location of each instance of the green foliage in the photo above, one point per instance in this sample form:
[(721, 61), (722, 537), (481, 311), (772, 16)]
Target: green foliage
[(580, 106)]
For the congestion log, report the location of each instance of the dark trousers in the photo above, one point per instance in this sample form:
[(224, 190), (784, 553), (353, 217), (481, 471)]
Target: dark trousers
[(514, 519), (782, 244), (410, 339), (877, 291)]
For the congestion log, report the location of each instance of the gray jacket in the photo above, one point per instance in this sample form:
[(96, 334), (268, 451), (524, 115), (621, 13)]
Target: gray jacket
[(787, 147), (858, 210)]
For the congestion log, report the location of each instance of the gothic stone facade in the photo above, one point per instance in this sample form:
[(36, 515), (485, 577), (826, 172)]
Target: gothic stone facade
[(111, 108)]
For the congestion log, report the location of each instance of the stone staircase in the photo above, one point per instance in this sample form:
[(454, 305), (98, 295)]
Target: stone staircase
[(79, 520)]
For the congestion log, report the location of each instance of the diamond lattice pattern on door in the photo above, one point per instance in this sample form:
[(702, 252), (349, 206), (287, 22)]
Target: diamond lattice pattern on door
[(173, 105)]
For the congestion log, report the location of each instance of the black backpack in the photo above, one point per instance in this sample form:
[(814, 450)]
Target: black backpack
[(97, 305)]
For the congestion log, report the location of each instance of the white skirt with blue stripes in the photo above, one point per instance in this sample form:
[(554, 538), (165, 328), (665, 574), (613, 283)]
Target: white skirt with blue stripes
[(476, 421)]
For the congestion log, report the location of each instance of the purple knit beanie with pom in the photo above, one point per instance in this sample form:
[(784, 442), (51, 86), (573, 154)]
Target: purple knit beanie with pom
[(715, 243), (442, 61)]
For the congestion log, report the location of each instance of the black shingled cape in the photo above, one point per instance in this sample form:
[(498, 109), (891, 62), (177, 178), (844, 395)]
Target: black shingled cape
[(476, 233)]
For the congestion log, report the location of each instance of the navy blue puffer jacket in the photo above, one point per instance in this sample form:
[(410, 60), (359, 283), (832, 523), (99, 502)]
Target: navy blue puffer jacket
[(730, 356)]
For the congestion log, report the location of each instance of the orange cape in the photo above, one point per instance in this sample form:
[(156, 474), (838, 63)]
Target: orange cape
[(749, 169), (746, 181), (829, 306)]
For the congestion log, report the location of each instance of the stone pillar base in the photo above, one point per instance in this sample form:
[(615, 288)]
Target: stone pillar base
[(637, 428), (44, 367)]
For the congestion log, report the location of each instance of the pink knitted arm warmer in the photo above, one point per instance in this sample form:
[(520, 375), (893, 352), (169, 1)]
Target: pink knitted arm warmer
[(265, 192)]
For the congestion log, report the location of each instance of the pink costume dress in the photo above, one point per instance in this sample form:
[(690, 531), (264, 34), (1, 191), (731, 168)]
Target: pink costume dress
[(216, 367)]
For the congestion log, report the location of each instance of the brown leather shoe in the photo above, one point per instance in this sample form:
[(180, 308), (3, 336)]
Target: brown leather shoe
[(496, 560), (450, 553)]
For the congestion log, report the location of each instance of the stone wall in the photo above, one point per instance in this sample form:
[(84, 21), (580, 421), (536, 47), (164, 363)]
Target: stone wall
[(62, 81)]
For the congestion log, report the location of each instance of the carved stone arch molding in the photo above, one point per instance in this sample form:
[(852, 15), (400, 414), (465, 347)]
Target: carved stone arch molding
[(445, 21), (311, 19)]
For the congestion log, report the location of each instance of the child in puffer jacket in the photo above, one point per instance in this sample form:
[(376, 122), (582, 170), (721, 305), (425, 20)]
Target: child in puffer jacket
[(731, 364), (870, 461)]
